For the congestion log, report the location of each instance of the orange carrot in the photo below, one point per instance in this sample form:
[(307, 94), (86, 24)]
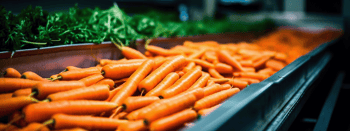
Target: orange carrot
[(76, 107), (54, 76), (132, 126), (131, 53), (207, 111), (202, 63), (261, 62), (223, 68), (11, 73), (189, 66), (22, 92), (113, 92), (182, 84), (107, 81), (169, 80), (210, 57), (201, 82), (210, 82), (280, 56), (214, 73), (275, 65), (120, 80), (43, 89), (197, 92), (214, 99), (73, 129), (130, 86), (5, 95), (133, 103), (253, 75), (121, 115), (157, 75), (104, 62), (224, 56), (220, 80), (158, 61), (180, 73), (212, 89), (246, 63), (163, 52), (197, 54), (35, 127), (173, 121), (238, 83), (268, 71), (94, 92), (71, 68), (118, 71), (62, 121), (249, 80), (170, 106), (148, 54), (10, 105), (6, 127), (90, 80), (78, 74), (12, 84), (248, 69)]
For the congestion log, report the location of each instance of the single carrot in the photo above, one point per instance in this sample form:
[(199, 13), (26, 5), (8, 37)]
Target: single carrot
[(220, 80), (197, 54), (107, 81), (42, 111), (158, 61), (246, 63), (170, 106), (78, 74), (22, 92), (35, 127), (43, 89), (182, 84), (11, 73), (189, 66), (12, 84), (212, 89), (5, 95), (131, 53), (238, 83), (275, 65), (253, 75), (173, 121), (10, 105), (180, 73), (169, 80), (224, 56), (140, 113), (93, 79), (113, 92), (210, 56), (62, 121), (133, 103), (148, 54), (94, 92), (130, 86), (198, 92), (104, 62), (71, 68), (207, 111), (268, 71), (223, 68), (157, 75), (118, 71), (202, 63), (163, 52), (214, 73), (214, 99), (201, 82), (132, 126)]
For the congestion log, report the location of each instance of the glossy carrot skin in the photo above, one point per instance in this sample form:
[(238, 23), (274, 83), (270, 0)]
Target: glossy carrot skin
[(131, 53), (224, 56), (76, 107), (113, 92), (10, 105), (133, 126), (118, 71), (133, 103), (94, 92), (62, 121), (22, 92), (201, 82), (223, 68), (170, 79), (110, 82), (214, 99), (214, 73), (79, 74), (173, 121), (212, 89), (11, 73), (32, 76), (12, 84), (90, 80), (44, 89), (157, 75)]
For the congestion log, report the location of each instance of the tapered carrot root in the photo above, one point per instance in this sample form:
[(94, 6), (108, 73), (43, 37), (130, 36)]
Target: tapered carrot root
[(163, 52), (10, 105), (202, 63), (42, 90), (133, 103), (131, 53), (214, 99), (62, 121), (238, 83), (214, 73), (78, 74), (94, 92), (212, 89), (118, 71), (11, 73), (32, 76), (104, 62), (22, 92), (132, 126), (107, 81), (201, 82), (223, 68), (225, 57), (77, 107), (173, 121), (12, 84), (35, 127)]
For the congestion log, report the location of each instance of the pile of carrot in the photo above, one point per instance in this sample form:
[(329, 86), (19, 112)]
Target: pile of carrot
[(161, 89)]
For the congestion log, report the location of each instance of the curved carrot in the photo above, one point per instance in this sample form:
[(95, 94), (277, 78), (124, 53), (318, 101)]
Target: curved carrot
[(169, 80), (132, 126), (90, 80), (78, 74), (12, 84), (42, 111), (163, 52), (207, 111), (238, 83), (214, 73), (43, 89), (201, 82), (32, 76), (202, 63), (11, 73), (173, 121), (94, 92), (131, 53), (172, 105), (113, 92), (214, 99), (182, 84), (62, 121), (5, 95), (10, 105), (121, 115), (133, 103), (110, 82), (275, 65), (157, 75), (130, 85), (224, 56), (118, 71), (22, 92), (281, 56), (35, 127), (223, 68)]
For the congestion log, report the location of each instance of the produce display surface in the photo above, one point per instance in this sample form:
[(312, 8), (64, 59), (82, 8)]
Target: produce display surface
[(153, 88)]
